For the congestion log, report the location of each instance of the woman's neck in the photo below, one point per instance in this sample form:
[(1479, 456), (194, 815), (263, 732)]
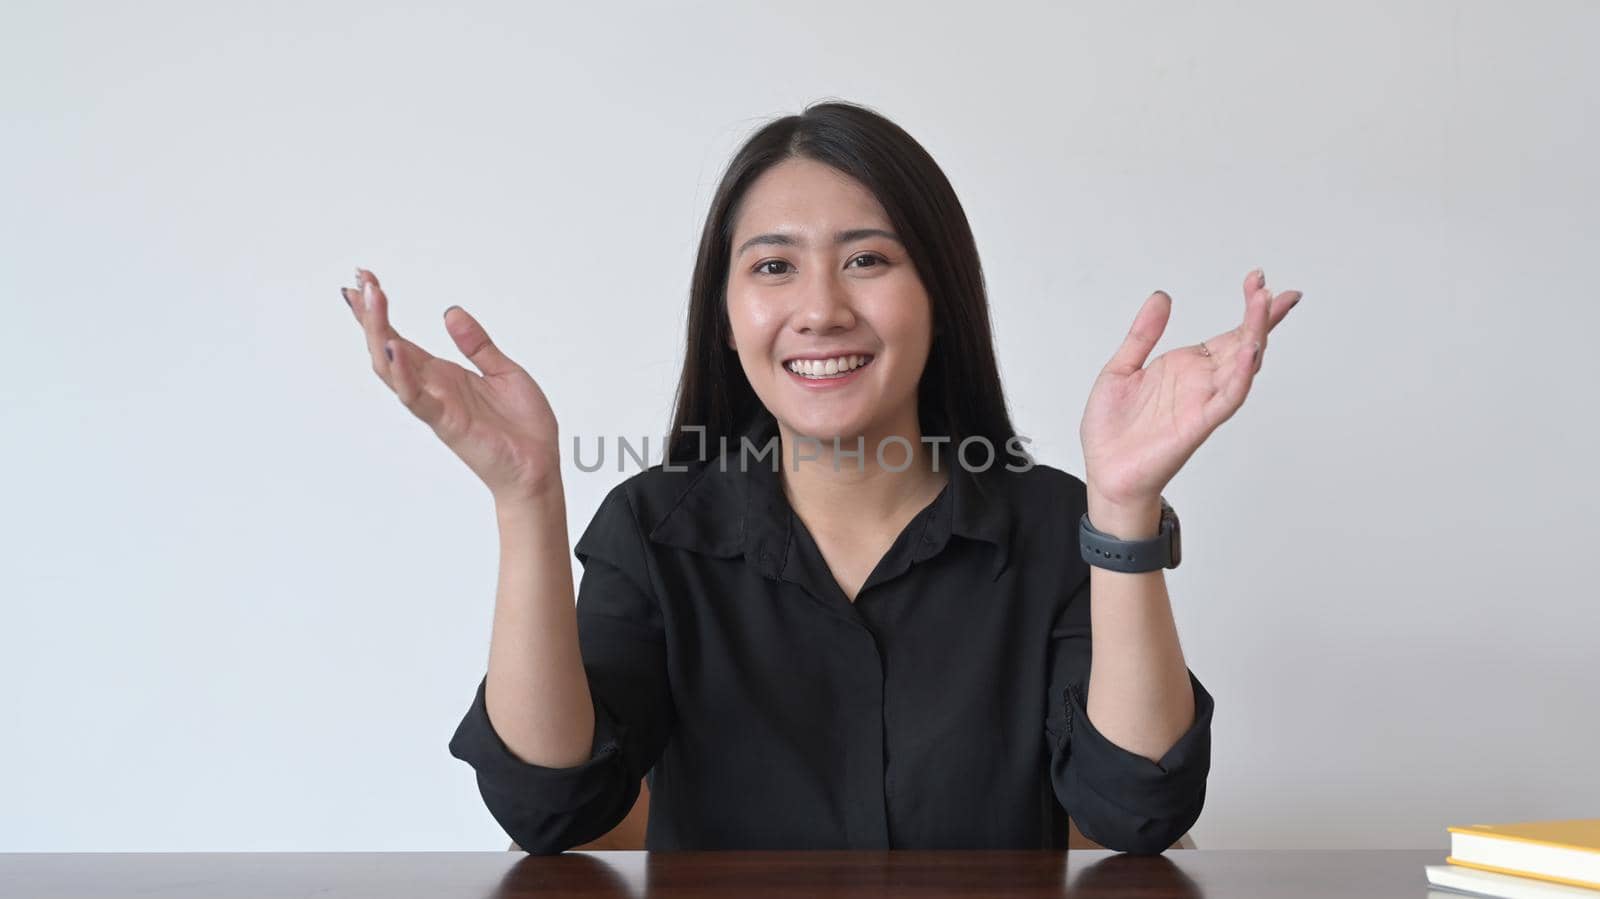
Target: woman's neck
[(856, 492)]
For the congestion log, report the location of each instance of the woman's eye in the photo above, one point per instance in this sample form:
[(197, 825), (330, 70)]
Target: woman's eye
[(762, 269)]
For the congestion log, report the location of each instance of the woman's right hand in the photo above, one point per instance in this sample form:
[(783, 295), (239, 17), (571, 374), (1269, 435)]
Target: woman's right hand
[(499, 423)]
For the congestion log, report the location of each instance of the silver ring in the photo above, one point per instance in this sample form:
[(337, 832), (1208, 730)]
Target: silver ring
[(1204, 350)]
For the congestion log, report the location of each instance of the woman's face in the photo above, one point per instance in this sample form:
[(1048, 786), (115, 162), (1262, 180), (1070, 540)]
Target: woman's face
[(794, 293)]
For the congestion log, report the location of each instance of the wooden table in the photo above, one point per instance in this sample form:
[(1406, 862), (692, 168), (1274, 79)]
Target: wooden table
[(1281, 874)]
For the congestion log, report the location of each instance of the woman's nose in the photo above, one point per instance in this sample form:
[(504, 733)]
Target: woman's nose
[(825, 305)]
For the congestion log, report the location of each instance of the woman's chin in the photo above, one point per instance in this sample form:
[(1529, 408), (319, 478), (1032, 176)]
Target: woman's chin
[(824, 426)]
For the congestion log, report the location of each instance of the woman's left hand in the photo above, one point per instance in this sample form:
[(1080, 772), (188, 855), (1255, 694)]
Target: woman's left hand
[(1142, 423)]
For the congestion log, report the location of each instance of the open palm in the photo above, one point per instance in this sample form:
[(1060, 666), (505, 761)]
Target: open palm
[(499, 422), (1142, 423)]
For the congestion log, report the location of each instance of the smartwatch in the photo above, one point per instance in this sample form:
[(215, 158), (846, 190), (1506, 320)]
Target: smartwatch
[(1133, 556)]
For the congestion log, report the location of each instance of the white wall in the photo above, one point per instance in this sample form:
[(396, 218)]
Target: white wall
[(247, 597)]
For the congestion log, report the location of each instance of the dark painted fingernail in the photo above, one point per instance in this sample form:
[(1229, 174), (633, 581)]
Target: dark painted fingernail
[(343, 293), (388, 352)]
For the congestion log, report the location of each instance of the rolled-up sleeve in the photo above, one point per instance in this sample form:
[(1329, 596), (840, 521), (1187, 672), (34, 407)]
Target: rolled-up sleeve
[(1118, 798), (621, 637)]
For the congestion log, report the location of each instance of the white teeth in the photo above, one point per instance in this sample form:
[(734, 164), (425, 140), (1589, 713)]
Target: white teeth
[(825, 368)]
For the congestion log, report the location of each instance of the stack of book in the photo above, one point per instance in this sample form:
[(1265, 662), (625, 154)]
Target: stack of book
[(1532, 859)]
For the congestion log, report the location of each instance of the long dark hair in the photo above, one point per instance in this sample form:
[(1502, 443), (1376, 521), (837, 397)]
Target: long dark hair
[(959, 395)]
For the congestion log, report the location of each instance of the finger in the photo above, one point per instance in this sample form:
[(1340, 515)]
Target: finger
[(1257, 314), (375, 322), (407, 371), (352, 296), (1148, 326), (1278, 308), (473, 341), (1226, 401), (372, 306), (1228, 341), (1281, 304), (1254, 280)]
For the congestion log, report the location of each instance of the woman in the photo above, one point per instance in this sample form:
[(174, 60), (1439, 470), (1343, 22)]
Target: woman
[(885, 641)]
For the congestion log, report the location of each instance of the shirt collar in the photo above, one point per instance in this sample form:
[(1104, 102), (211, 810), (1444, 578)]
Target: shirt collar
[(725, 512)]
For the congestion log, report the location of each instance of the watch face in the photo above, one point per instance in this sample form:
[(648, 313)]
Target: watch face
[(1175, 541)]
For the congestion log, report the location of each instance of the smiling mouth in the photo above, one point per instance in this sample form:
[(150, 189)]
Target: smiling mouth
[(828, 369)]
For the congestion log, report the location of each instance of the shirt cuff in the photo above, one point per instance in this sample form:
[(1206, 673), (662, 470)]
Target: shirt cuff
[(1166, 788), (552, 789)]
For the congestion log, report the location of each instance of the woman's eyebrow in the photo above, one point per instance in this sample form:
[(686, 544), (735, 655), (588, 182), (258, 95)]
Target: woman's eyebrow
[(789, 240)]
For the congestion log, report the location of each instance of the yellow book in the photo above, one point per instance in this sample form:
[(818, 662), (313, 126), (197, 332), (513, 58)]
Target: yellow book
[(1560, 851)]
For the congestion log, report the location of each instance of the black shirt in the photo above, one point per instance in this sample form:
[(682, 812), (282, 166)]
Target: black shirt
[(943, 709)]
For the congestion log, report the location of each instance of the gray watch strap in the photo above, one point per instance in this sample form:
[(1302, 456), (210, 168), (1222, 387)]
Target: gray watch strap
[(1132, 556)]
